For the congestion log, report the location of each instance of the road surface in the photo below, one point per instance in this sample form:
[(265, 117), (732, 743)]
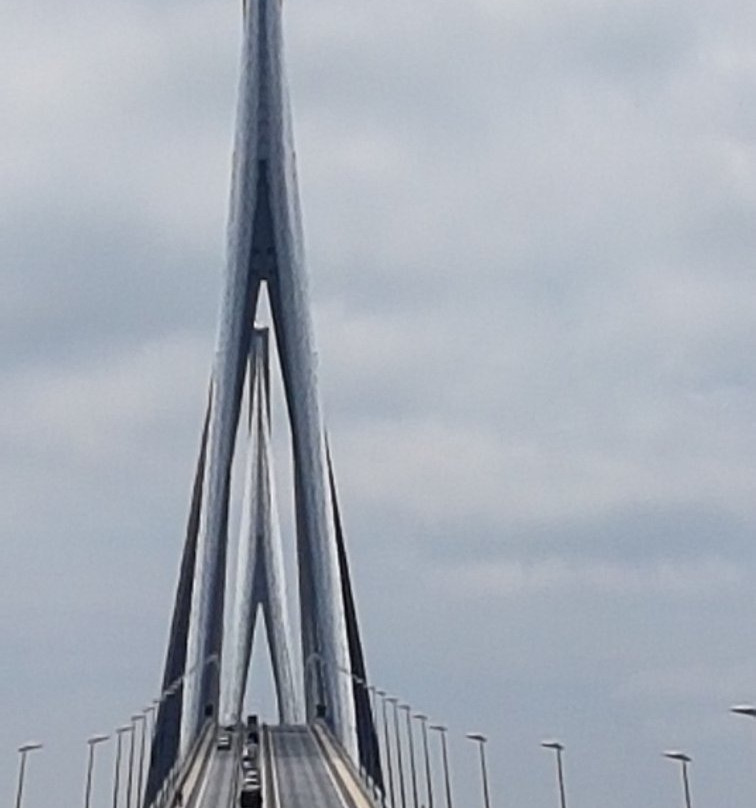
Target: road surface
[(301, 776)]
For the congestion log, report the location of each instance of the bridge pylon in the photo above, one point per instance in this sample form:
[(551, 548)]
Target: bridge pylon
[(265, 257)]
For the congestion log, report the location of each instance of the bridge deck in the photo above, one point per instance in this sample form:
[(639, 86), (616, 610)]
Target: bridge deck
[(302, 777), (218, 783), (297, 769)]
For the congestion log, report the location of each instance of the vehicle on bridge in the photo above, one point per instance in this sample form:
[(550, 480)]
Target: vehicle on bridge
[(250, 797), (253, 729)]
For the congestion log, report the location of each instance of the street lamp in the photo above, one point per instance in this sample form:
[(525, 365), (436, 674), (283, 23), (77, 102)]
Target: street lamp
[(387, 745), (559, 749), (357, 683), (481, 741), (91, 743), (395, 701), (151, 713), (24, 750), (143, 718), (442, 730), (423, 719), (744, 709), (117, 770), (413, 770), (313, 673), (132, 742), (372, 699), (684, 760)]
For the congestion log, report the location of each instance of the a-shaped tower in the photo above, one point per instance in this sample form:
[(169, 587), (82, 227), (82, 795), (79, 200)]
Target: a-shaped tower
[(264, 251)]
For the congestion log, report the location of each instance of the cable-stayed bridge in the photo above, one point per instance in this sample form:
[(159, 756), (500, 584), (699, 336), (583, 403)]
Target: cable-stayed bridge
[(324, 752), (193, 746)]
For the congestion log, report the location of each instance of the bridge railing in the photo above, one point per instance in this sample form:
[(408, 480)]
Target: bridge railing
[(343, 767), (177, 778), (270, 798)]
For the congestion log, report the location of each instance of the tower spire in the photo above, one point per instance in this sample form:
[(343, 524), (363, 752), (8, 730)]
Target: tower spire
[(265, 246)]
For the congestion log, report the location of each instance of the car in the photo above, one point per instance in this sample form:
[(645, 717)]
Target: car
[(224, 741), (250, 797)]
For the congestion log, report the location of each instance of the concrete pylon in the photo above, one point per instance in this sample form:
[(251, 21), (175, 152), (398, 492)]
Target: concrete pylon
[(259, 579), (265, 247)]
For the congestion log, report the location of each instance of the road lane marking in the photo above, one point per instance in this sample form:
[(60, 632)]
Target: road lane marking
[(336, 786), (348, 782), (271, 765), (201, 795)]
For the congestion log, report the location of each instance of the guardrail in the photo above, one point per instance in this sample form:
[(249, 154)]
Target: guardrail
[(270, 798), (334, 754), (176, 779)]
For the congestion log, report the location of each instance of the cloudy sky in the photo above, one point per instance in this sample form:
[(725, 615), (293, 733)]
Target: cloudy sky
[(530, 229)]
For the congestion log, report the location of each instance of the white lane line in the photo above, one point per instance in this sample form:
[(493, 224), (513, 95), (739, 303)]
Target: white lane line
[(271, 761), (201, 795), (347, 780), (336, 787), (224, 794)]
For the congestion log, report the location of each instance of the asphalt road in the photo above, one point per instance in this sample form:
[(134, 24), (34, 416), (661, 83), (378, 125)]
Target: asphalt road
[(216, 789), (301, 776)]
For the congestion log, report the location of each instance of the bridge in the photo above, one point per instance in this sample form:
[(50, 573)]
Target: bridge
[(294, 765), (200, 750)]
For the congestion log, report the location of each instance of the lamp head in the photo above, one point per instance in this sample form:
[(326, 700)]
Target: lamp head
[(674, 754), (30, 746), (744, 709)]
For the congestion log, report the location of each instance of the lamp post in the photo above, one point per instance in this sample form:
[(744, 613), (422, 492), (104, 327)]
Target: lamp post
[(684, 760), (91, 743), (140, 717), (481, 741), (559, 749), (151, 713), (387, 745), (442, 730), (413, 769), (372, 698), (117, 769), (359, 682), (130, 779), (373, 701), (313, 674), (400, 766), (748, 710), (24, 750), (423, 719)]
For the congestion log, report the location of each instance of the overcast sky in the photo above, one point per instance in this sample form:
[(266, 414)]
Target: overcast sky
[(530, 232)]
